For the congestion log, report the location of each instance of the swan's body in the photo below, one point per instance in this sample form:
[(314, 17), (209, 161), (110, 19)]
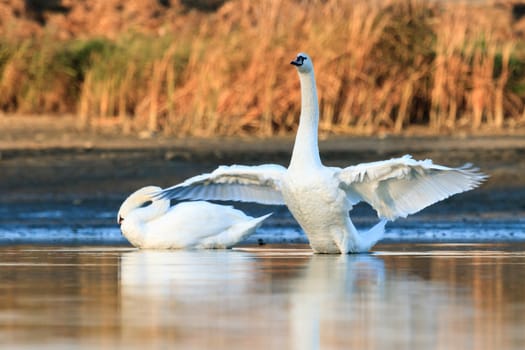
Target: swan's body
[(321, 208), (185, 225), (320, 197)]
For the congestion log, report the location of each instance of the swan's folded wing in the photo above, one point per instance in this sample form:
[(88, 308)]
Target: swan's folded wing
[(260, 184), (402, 186)]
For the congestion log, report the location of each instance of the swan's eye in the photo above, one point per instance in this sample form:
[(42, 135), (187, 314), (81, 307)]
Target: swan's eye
[(301, 58), (145, 204)]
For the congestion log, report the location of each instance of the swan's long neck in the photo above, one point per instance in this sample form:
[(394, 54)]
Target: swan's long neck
[(306, 149), (134, 225), (155, 209)]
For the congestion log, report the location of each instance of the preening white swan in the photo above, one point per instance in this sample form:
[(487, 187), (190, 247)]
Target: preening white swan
[(320, 197), (185, 225)]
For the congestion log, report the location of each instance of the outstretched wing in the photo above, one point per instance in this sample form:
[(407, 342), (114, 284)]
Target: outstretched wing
[(402, 186), (260, 184)]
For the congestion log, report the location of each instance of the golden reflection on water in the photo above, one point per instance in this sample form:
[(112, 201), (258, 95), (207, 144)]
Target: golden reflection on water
[(402, 296)]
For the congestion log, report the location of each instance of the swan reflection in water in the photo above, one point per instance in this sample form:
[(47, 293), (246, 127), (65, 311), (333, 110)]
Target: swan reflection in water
[(327, 291), (302, 301), (209, 296)]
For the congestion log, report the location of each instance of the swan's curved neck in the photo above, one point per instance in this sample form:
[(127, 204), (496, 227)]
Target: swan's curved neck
[(306, 149), (152, 211), (134, 224)]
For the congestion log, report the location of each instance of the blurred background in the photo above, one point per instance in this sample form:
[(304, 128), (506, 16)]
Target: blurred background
[(220, 67), (101, 97)]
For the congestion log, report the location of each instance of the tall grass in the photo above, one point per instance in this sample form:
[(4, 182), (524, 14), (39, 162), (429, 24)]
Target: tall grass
[(382, 66)]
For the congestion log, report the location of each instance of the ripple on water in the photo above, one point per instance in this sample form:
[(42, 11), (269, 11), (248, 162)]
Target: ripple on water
[(58, 232)]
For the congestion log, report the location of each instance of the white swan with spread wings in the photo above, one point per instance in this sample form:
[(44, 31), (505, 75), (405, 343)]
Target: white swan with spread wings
[(320, 197)]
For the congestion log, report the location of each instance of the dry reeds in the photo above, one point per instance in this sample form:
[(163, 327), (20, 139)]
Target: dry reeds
[(381, 67)]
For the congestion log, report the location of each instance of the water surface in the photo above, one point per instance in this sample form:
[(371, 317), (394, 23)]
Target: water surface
[(402, 296), (95, 223)]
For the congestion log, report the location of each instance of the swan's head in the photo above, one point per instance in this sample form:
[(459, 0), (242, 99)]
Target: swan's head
[(303, 63), (136, 200)]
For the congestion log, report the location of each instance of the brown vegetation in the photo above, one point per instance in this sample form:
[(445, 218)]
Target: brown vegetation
[(165, 66)]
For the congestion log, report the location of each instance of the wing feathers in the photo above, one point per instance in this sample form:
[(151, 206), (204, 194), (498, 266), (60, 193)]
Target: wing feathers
[(395, 188), (259, 184), (402, 186)]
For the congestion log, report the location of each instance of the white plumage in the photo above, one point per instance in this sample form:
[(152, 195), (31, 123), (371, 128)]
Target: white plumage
[(236, 182), (320, 197), (402, 186), (185, 225)]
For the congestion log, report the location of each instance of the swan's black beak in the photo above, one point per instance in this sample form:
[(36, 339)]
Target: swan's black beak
[(299, 60), (120, 219)]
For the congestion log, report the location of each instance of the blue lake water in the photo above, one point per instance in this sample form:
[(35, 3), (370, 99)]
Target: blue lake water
[(408, 232), (95, 223)]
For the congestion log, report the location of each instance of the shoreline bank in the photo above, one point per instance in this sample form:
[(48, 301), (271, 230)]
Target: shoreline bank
[(42, 160)]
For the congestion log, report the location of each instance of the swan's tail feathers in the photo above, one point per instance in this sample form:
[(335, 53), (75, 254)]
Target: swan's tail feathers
[(258, 221), (234, 234), (372, 236)]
